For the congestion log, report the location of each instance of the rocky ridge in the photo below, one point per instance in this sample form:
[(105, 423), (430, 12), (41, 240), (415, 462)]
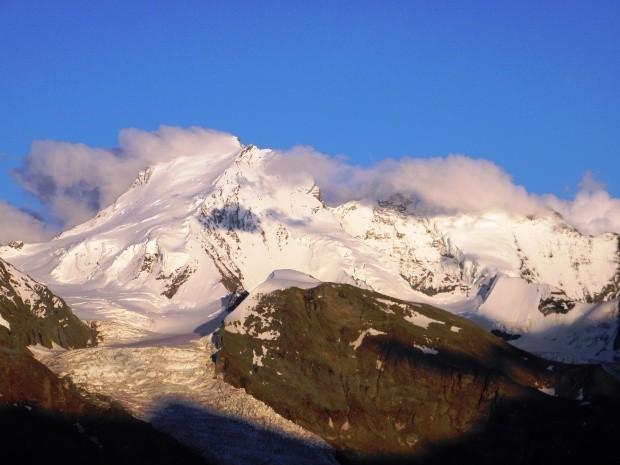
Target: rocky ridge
[(32, 314), (382, 379)]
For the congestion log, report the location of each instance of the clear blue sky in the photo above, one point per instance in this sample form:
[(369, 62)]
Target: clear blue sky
[(533, 86)]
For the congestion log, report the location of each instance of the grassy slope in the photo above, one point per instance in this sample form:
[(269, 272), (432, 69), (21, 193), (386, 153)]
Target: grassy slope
[(388, 397)]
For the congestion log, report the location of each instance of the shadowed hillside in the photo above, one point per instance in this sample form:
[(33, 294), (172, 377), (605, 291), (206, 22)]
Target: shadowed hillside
[(382, 379)]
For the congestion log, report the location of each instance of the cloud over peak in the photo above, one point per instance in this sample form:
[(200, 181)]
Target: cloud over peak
[(452, 184), (75, 181), (591, 211), (443, 184)]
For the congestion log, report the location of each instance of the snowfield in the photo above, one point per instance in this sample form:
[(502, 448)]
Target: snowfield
[(581, 334)]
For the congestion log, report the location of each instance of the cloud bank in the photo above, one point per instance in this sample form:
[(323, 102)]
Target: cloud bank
[(452, 184), (591, 211), (75, 181), (444, 185)]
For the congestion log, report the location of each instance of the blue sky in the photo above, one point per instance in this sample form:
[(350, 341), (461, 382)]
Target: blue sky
[(533, 87)]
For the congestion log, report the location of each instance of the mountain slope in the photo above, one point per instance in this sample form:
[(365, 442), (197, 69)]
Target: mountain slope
[(46, 419), (540, 319), (32, 314), (170, 253), (384, 379), (468, 248)]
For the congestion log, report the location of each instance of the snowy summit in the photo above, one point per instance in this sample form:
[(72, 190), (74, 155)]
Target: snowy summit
[(167, 255)]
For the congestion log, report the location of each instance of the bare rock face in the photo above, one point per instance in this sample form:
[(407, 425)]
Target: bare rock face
[(384, 380)]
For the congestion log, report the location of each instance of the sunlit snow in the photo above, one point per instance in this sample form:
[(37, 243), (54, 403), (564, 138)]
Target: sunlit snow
[(157, 259), (368, 332), (418, 319), (5, 323)]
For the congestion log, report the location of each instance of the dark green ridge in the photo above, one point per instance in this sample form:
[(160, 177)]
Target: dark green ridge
[(393, 399)]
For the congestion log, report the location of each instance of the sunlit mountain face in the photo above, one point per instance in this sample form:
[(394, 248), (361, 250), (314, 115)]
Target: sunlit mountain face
[(398, 328)]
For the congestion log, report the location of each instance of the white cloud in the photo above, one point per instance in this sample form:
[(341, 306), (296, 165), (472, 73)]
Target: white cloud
[(443, 185), (452, 184), (592, 210), (17, 225), (75, 181), (589, 184)]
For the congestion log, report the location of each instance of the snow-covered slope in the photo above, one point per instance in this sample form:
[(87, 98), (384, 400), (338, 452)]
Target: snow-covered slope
[(169, 253), (583, 332), (191, 231), (538, 249), (143, 254)]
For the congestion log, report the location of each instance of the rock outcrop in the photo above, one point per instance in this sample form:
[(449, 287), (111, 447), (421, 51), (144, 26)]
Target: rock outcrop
[(34, 315)]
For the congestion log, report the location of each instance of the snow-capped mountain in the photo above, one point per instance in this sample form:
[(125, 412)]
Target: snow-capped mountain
[(191, 233)]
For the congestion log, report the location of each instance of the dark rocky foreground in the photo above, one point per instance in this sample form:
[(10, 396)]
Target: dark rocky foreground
[(38, 436), (44, 419), (347, 365)]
